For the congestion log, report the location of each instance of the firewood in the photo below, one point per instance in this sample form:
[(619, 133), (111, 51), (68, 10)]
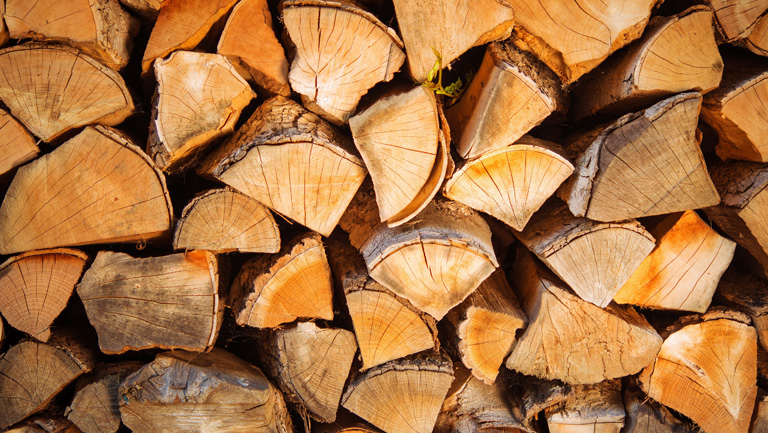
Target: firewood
[(181, 25), (293, 162), (2, 332), (224, 220), (735, 18), (528, 396), (749, 294), (757, 41), (95, 408), (607, 343), (644, 415), (683, 270), (36, 286), (448, 28), (573, 37), (44, 423), (311, 365), (341, 52), (78, 90), (512, 182), (675, 54), (271, 290), (646, 163), (198, 99), (511, 93), (186, 392), (99, 28), (4, 36), (483, 327), (596, 408), (595, 259), (167, 302), (706, 370), (17, 146), (402, 395), (736, 112), (97, 187), (760, 417), (148, 9), (346, 422), (249, 41)]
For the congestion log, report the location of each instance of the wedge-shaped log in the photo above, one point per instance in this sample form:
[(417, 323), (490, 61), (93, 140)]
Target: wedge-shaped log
[(186, 392), (707, 371), (675, 54), (512, 182), (224, 220), (483, 327), (17, 146), (595, 408), (511, 93), (293, 162), (528, 396), (198, 99), (757, 41), (595, 259), (272, 290), (683, 270), (341, 52), (97, 187), (249, 41), (99, 28), (168, 302), (573, 37), (646, 163), (78, 89), (449, 28), (36, 286), (735, 18), (644, 415), (148, 9), (747, 293), (403, 395), (607, 343)]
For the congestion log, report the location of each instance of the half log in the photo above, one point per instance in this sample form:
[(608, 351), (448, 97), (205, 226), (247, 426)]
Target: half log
[(17, 146)]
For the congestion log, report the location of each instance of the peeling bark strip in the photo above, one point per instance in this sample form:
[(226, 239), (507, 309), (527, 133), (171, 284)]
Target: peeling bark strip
[(598, 406)]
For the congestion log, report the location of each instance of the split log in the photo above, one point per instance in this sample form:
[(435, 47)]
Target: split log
[(167, 302), (403, 395), (573, 37), (646, 163), (99, 28), (44, 423), (36, 286), (595, 259), (148, 9), (511, 93), (311, 366), (198, 99), (757, 41), (449, 28), (706, 370), (512, 182), (735, 18), (78, 90), (594, 408), (249, 41), (483, 327), (572, 340), (17, 146), (760, 417), (224, 220), (346, 423), (528, 396), (293, 162), (644, 415), (185, 392), (98, 187), (272, 290), (675, 54), (749, 294), (4, 36), (341, 52), (683, 270), (2, 332)]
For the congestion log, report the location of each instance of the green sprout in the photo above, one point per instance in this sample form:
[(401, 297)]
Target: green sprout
[(453, 90)]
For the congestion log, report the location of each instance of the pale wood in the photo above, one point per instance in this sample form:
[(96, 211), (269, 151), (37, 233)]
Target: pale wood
[(707, 371), (224, 220), (511, 93), (573, 37), (675, 54), (185, 392), (36, 286), (484, 326), (293, 162), (644, 415), (512, 182), (17, 146), (97, 187), (594, 408), (749, 294), (249, 41), (572, 340), (164, 302), (78, 89), (341, 52), (757, 41), (148, 9), (736, 18), (683, 270), (760, 417), (403, 395), (198, 99), (99, 28), (272, 290), (646, 163)]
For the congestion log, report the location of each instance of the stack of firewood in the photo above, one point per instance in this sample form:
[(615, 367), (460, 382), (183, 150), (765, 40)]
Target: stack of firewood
[(572, 238)]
